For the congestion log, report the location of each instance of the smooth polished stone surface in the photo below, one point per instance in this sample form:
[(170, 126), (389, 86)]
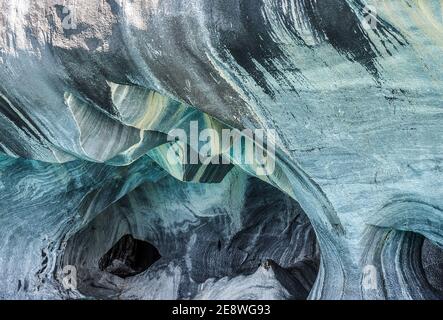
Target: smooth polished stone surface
[(90, 91)]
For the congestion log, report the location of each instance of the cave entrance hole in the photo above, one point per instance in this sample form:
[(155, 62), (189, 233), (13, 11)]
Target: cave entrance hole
[(129, 257)]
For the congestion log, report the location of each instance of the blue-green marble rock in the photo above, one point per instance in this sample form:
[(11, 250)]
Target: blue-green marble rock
[(88, 95)]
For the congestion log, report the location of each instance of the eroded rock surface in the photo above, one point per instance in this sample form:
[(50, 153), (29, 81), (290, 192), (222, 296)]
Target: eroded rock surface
[(89, 91)]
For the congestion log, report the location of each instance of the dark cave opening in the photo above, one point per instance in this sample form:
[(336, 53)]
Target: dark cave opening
[(239, 234), (413, 263), (129, 257), (432, 263)]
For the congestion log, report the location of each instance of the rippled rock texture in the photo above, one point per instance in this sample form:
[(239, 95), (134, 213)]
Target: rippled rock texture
[(91, 206)]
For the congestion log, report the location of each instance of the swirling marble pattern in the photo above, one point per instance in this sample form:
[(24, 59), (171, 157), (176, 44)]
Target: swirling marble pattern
[(89, 92)]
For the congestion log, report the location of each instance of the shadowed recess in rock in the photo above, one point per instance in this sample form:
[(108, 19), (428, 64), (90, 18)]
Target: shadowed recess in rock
[(129, 257), (218, 236)]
